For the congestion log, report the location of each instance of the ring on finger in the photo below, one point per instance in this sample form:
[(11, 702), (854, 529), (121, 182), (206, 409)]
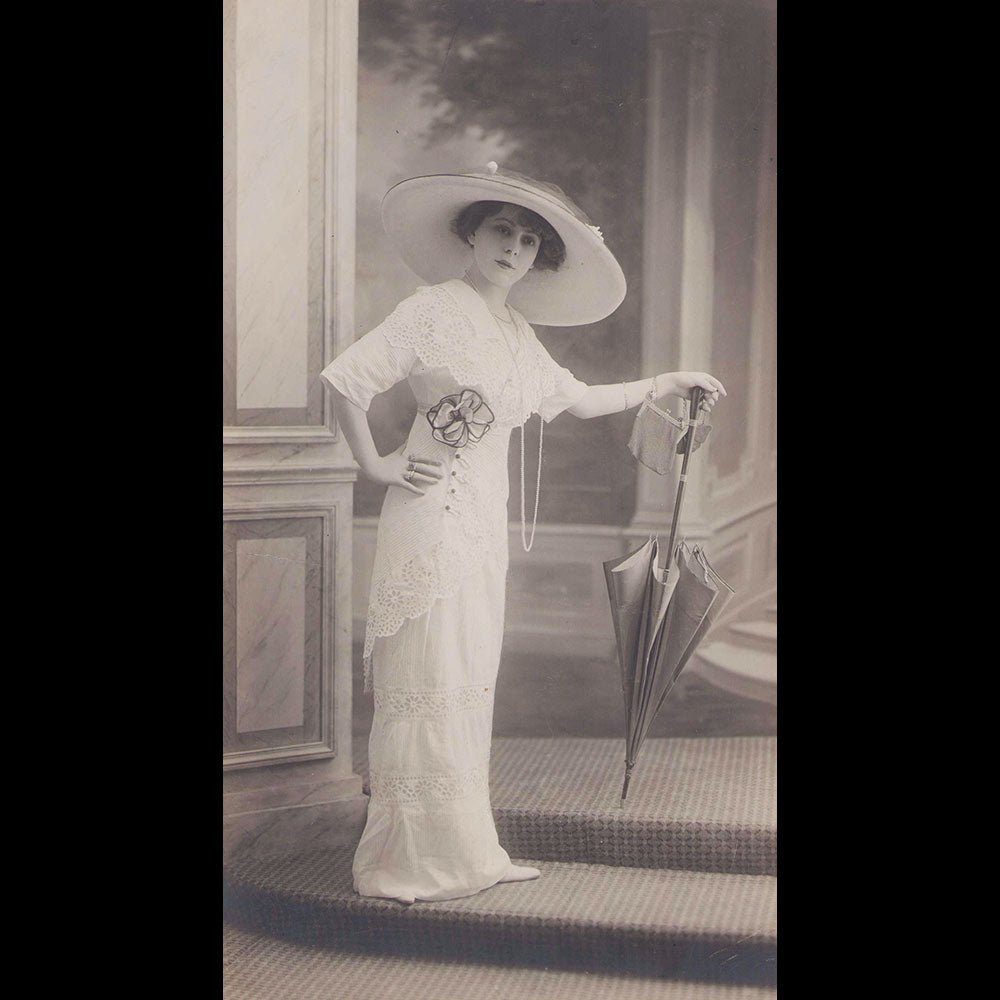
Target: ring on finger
[(408, 475), (410, 467)]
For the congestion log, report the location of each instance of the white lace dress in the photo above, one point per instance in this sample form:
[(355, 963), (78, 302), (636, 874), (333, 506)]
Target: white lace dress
[(436, 608)]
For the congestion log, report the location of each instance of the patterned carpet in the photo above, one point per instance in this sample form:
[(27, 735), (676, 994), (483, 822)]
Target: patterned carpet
[(257, 967), (673, 896), (696, 804), (682, 924)]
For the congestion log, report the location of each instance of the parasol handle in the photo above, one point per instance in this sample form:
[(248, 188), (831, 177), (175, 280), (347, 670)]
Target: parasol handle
[(696, 394)]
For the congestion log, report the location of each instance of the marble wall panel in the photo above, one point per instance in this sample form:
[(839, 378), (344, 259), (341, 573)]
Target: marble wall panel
[(274, 629), (274, 211), (270, 633), (272, 208), (229, 211)]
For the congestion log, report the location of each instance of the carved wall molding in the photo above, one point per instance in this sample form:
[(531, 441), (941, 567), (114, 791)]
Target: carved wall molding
[(280, 435), (250, 476)]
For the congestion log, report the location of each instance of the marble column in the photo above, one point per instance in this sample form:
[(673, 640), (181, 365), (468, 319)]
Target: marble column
[(289, 122), (678, 240), (739, 488)]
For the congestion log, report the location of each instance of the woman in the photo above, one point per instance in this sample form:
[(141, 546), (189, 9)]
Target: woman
[(498, 250)]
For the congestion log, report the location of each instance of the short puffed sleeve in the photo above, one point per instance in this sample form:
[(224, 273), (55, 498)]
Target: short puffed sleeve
[(560, 386), (372, 363)]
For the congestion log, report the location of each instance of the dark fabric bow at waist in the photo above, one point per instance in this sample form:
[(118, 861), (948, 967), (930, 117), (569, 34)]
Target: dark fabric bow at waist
[(459, 418)]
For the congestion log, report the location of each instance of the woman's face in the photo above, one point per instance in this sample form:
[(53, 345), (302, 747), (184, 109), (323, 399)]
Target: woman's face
[(503, 249)]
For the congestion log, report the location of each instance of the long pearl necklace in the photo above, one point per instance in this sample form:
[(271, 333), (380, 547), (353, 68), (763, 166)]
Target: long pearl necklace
[(526, 543)]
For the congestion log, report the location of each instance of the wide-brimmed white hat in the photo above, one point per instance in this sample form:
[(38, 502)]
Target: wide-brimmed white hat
[(417, 214)]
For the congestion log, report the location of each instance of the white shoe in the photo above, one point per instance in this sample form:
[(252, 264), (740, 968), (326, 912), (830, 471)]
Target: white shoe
[(520, 873)]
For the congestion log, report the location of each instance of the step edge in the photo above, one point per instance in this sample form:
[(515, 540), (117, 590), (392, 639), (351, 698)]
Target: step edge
[(370, 907), (236, 879), (590, 817), (618, 980)]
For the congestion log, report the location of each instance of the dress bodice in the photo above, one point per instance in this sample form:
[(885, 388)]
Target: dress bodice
[(443, 339)]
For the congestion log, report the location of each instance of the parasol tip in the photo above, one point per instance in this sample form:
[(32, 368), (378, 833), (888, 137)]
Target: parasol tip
[(628, 776)]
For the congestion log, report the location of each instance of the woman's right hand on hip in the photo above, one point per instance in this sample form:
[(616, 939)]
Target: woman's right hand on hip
[(409, 471)]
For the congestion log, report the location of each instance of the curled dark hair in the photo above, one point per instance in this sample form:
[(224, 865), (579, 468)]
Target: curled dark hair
[(551, 249)]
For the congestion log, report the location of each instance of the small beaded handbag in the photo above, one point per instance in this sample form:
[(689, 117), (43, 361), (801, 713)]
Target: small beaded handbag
[(658, 436)]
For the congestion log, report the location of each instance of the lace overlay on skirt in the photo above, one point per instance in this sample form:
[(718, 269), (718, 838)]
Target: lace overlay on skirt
[(430, 832)]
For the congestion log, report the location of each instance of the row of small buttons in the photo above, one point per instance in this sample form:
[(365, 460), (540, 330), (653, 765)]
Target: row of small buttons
[(453, 474)]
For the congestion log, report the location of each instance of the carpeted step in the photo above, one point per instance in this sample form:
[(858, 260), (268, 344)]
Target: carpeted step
[(699, 926), (705, 805), (258, 967)]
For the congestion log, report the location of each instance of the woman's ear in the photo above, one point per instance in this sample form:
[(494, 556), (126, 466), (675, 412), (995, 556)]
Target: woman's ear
[(472, 242)]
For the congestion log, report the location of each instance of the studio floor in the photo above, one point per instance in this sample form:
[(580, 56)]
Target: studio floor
[(711, 830)]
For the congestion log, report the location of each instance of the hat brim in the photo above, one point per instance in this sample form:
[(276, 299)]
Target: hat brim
[(417, 214)]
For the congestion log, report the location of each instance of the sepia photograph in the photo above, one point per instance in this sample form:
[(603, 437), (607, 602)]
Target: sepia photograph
[(499, 619)]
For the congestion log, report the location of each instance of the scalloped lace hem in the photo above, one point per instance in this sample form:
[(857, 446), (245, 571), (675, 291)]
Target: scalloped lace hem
[(414, 587)]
